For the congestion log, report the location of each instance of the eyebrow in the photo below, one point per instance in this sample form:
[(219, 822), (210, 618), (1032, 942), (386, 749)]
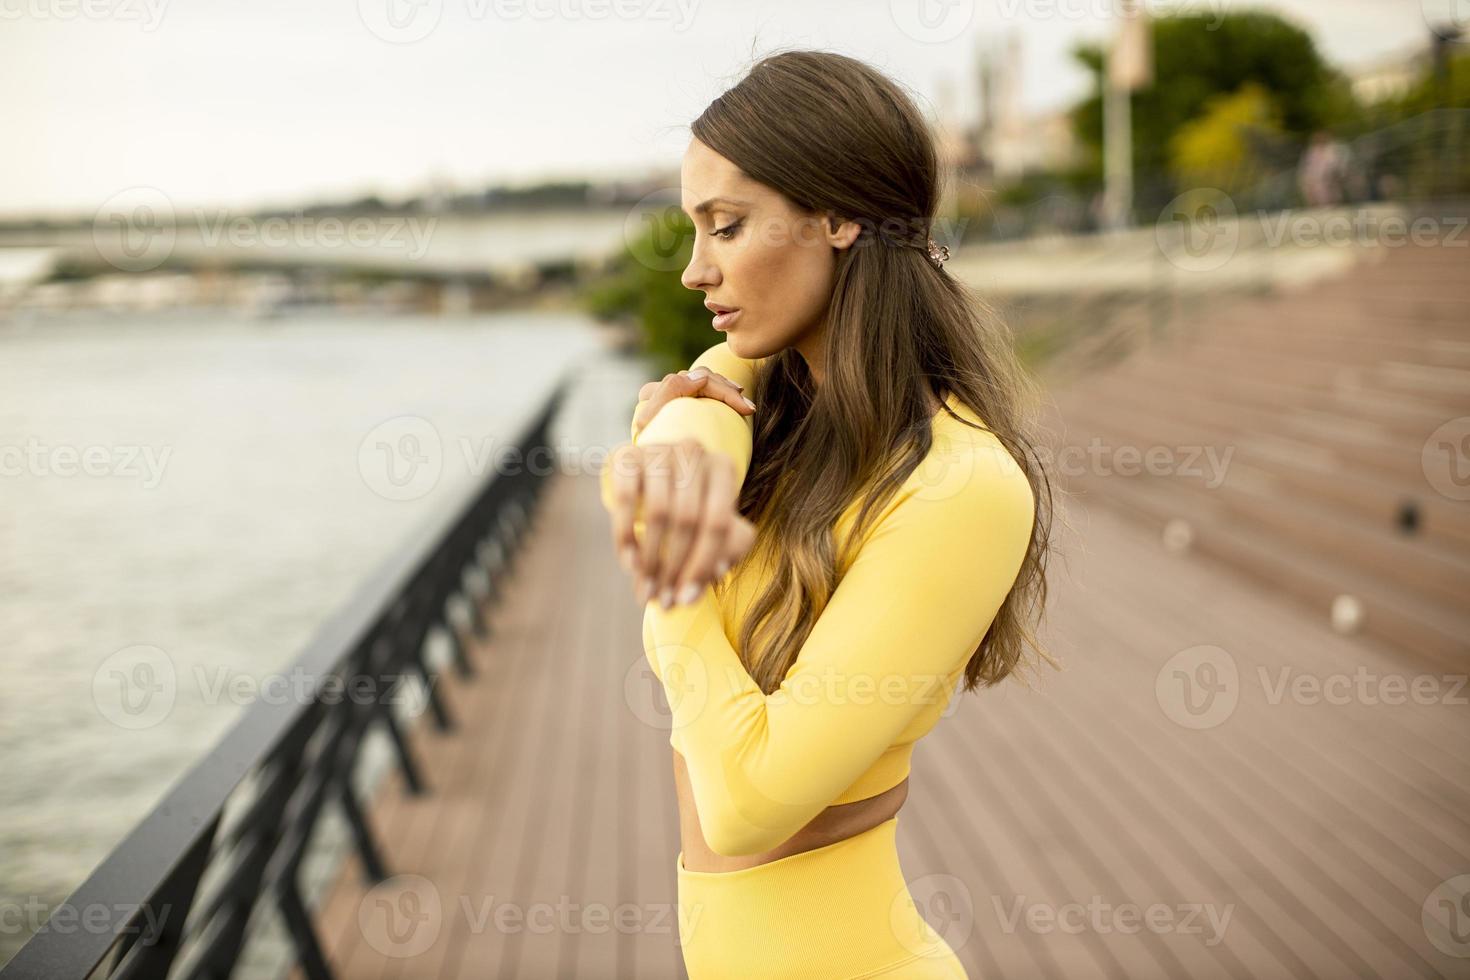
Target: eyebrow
[(704, 206)]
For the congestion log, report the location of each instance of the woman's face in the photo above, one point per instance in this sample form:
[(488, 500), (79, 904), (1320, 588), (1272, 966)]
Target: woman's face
[(755, 252)]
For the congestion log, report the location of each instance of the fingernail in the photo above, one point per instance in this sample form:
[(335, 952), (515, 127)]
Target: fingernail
[(747, 401), (722, 567), (666, 597), (688, 594), (699, 372)]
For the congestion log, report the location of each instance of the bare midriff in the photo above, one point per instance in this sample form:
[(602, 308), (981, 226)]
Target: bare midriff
[(828, 827)]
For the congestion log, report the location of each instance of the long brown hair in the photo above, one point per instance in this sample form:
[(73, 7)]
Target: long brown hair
[(835, 135)]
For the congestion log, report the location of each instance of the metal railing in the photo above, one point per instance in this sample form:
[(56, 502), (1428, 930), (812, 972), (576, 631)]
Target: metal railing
[(177, 895)]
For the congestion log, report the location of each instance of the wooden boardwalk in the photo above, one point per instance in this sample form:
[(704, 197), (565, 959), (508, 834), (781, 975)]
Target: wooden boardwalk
[(1076, 831)]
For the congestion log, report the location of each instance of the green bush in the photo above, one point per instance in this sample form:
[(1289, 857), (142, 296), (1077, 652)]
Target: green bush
[(1218, 148), (643, 287)]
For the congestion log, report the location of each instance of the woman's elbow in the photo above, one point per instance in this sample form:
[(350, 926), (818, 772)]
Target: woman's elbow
[(739, 821), (733, 834), (730, 838)]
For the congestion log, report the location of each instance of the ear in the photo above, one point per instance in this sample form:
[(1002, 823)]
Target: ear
[(841, 234)]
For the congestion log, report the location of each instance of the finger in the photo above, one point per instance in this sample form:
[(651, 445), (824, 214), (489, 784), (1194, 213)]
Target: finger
[(738, 540), (708, 546), (658, 479), (627, 483), (671, 387), (686, 510), (720, 377), (717, 386), (728, 392)]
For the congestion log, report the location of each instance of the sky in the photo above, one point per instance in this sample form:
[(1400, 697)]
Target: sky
[(249, 103)]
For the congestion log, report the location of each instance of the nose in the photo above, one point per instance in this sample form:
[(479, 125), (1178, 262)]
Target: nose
[(700, 273)]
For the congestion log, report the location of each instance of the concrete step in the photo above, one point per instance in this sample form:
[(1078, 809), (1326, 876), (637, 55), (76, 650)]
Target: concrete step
[(1448, 284), (1394, 616), (1325, 396), (1415, 267), (1442, 522), (1405, 417), (1327, 318), (1309, 472), (1432, 306), (1436, 314), (1437, 380), (1211, 415), (1442, 392), (1252, 495), (1344, 342)]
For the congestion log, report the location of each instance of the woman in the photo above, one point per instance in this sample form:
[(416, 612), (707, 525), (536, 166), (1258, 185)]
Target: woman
[(828, 560)]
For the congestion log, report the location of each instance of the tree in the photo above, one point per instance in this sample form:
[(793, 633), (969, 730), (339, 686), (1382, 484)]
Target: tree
[(644, 286), (1201, 57)]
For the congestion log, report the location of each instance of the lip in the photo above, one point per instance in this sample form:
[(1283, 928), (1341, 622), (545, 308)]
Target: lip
[(724, 315)]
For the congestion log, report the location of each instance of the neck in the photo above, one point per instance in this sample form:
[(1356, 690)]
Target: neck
[(813, 350)]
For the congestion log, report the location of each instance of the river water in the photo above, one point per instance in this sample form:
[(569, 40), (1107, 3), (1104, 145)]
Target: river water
[(207, 489)]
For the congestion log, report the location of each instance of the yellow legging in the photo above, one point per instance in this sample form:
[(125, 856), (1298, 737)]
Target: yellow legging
[(841, 911)]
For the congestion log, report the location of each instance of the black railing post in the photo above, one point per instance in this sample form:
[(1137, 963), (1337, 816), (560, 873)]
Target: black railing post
[(152, 954), (367, 848), (293, 910)]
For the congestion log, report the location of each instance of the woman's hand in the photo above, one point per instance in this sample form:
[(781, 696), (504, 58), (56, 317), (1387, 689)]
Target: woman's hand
[(692, 532), (698, 382)]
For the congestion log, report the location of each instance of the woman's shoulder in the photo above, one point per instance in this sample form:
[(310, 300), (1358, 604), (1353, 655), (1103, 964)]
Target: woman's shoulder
[(967, 493), (968, 465), (722, 360)]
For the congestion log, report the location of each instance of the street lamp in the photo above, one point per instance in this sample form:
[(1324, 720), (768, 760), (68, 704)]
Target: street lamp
[(1129, 67)]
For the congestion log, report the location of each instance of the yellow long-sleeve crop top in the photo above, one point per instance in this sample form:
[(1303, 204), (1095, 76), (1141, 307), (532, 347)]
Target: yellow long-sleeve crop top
[(882, 661)]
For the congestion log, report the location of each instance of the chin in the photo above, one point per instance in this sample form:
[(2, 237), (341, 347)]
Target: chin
[(745, 346)]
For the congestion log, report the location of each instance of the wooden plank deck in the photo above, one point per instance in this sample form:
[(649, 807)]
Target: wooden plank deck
[(1074, 831)]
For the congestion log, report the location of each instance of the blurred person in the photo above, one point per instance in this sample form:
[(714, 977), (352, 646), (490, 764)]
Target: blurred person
[(1323, 170), (873, 521)]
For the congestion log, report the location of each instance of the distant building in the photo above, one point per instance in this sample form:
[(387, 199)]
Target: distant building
[(1388, 77), (1004, 142)]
